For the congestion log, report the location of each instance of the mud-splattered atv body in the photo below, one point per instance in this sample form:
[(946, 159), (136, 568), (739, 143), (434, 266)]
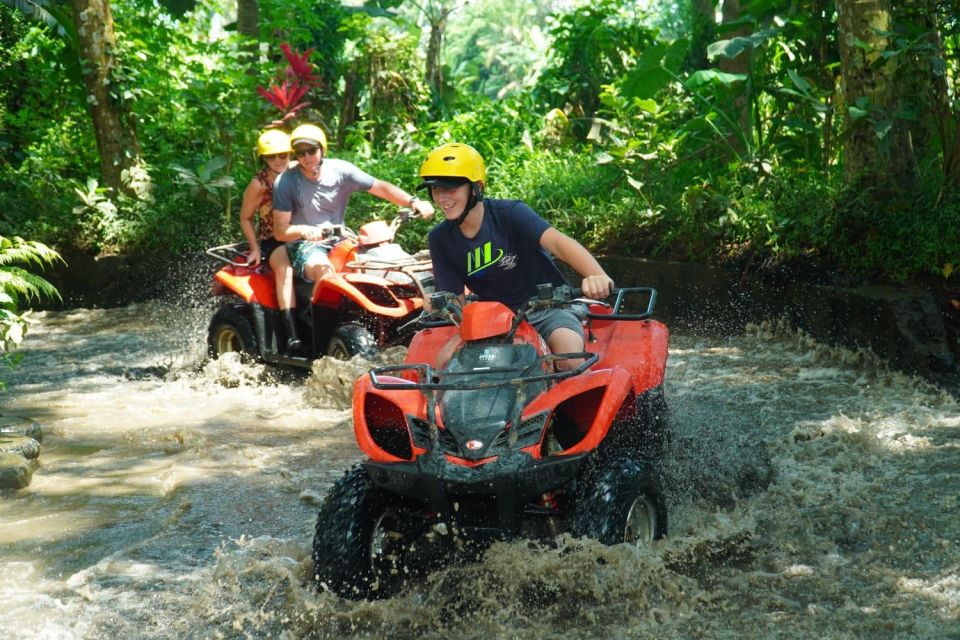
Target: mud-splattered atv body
[(478, 436), (373, 304)]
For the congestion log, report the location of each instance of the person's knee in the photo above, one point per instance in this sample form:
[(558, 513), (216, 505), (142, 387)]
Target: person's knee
[(565, 340), (318, 270)]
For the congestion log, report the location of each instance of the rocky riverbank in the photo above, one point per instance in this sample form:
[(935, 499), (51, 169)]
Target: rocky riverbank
[(19, 454)]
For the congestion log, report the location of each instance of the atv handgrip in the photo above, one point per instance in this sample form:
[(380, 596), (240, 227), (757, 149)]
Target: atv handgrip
[(618, 302), (425, 371)]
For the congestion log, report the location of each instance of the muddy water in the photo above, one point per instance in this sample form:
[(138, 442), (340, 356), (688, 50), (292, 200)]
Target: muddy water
[(813, 495)]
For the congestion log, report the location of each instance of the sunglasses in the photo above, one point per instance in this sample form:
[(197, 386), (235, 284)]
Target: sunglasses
[(274, 156), (305, 151)]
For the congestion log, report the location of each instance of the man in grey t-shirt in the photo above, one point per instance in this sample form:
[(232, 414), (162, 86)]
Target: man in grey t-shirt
[(311, 194), (316, 192)]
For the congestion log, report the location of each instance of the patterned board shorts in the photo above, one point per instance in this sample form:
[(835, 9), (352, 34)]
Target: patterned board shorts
[(301, 252)]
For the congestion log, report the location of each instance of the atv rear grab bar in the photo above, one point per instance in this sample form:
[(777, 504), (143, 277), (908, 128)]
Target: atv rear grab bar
[(426, 372), (618, 302), (227, 253)]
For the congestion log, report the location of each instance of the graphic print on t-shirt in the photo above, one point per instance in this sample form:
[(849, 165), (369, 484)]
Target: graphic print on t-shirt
[(481, 258)]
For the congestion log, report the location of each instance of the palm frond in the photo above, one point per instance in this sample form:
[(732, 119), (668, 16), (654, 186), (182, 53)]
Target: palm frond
[(20, 283), (17, 250)]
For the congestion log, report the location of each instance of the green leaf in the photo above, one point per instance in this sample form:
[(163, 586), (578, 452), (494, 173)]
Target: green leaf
[(655, 68), (856, 113), (713, 76), (882, 128), (735, 46)]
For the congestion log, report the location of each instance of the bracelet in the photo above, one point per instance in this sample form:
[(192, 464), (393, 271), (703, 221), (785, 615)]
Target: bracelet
[(413, 201)]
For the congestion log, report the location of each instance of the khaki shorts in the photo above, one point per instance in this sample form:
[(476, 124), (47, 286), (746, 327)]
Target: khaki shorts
[(546, 321)]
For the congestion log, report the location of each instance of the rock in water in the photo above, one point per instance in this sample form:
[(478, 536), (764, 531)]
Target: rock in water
[(15, 471), (26, 447)]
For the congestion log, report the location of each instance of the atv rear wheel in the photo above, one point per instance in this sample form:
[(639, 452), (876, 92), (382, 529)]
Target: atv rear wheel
[(621, 501), (349, 340), (230, 330), (360, 539)]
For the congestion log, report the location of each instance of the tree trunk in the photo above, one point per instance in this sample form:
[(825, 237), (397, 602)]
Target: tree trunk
[(113, 128), (878, 152), (936, 124), (248, 24), (703, 31), (738, 65), (351, 99), (434, 68)]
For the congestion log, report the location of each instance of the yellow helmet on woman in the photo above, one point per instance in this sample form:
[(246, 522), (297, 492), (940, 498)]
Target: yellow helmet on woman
[(309, 134), (452, 164), (273, 141)]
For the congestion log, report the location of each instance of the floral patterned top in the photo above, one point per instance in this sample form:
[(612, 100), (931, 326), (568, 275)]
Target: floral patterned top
[(265, 208)]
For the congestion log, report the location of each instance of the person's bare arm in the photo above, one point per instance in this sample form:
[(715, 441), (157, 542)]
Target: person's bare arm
[(596, 283), (392, 193), (252, 196), (285, 232)]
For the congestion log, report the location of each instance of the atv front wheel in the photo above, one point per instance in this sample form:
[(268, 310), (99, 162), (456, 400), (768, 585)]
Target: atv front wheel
[(230, 330), (360, 539), (621, 501), (349, 340)]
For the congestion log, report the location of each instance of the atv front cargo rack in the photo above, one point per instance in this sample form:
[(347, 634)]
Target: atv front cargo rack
[(429, 379)]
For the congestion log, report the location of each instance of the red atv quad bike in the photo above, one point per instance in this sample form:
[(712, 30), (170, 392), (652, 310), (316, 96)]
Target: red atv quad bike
[(374, 303), (479, 437)]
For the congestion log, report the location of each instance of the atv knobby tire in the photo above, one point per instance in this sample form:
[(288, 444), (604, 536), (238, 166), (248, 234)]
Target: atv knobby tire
[(349, 340), (231, 330), (620, 500), (652, 415), (358, 541)]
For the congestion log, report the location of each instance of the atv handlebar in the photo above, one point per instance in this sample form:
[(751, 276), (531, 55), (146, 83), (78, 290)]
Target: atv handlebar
[(446, 310)]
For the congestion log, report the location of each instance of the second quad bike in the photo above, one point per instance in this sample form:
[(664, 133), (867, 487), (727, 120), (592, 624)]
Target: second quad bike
[(372, 303), (483, 434)]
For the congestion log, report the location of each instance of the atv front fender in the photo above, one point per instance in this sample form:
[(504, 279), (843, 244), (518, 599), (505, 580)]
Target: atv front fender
[(332, 290), (376, 413), (592, 400), (252, 286)]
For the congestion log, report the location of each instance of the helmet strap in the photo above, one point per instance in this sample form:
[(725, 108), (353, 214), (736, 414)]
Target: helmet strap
[(476, 195)]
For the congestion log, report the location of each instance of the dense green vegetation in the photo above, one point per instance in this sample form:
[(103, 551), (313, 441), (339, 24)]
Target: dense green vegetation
[(760, 130)]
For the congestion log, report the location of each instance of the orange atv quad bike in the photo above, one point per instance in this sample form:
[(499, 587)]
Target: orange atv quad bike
[(478, 436), (373, 304)]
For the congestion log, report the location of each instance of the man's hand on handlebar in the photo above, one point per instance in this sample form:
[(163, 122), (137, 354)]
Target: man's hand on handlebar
[(318, 232), (423, 208), (597, 287)]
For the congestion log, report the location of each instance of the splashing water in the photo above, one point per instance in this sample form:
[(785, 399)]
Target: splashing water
[(813, 494)]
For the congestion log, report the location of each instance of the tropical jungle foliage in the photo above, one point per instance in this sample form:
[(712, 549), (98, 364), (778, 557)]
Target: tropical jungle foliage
[(753, 130), (18, 286)]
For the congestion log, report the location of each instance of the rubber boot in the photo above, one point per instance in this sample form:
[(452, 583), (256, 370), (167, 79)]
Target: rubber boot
[(294, 343)]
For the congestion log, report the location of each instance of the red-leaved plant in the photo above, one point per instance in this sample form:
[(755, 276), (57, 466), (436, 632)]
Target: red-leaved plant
[(288, 96)]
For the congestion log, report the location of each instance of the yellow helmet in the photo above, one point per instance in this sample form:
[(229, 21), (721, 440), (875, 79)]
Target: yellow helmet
[(273, 141), (452, 164), (309, 134)]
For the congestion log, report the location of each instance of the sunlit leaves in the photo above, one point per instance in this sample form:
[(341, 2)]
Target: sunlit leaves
[(18, 285)]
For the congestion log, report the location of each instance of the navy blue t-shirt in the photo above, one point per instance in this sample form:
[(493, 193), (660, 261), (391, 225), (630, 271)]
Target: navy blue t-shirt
[(504, 262)]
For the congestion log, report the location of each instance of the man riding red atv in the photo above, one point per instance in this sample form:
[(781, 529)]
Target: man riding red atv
[(369, 304), (479, 436)]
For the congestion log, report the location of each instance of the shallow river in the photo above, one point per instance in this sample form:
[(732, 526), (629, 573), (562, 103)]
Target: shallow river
[(813, 494)]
